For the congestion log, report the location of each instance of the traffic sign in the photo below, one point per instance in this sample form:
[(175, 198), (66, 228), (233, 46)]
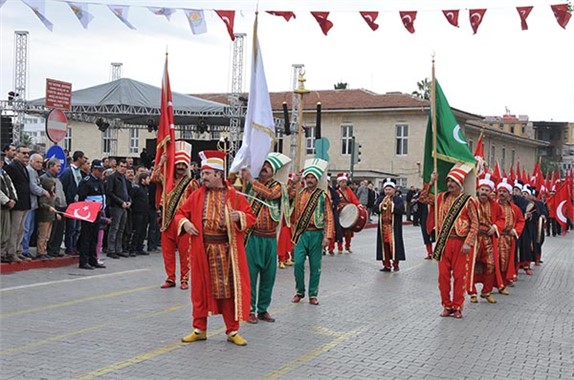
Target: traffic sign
[(56, 125), (58, 94), (56, 151)]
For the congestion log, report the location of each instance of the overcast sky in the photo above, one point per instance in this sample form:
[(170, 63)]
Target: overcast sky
[(530, 72)]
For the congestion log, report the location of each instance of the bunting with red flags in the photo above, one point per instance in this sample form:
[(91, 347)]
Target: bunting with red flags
[(228, 18), (451, 16), (562, 14), (523, 12), (286, 15), (322, 19), (408, 19), (476, 16), (370, 18)]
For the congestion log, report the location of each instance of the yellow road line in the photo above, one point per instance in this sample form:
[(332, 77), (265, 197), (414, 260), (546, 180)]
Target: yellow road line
[(74, 302), (312, 354), (140, 358), (82, 331)]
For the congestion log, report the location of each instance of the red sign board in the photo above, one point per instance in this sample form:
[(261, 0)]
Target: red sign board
[(58, 94), (56, 125)]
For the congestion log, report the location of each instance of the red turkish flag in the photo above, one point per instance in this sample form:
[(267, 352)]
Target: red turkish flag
[(228, 18), (563, 205), (86, 211), (370, 18), (496, 173), (165, 138), (523, 12), (562, 14), (408, 19), (479, 154), (286, 15), (451, 16), (321, 18), (476, 16), (512, 176)]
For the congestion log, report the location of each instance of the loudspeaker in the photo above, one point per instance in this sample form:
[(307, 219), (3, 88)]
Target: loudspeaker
[(6, 128)]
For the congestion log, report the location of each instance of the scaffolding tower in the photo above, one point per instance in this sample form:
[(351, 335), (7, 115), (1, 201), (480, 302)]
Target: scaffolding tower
[(116, 70), (20, 79), (235, 103)]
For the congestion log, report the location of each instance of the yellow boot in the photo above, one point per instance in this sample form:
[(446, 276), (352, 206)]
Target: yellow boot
[(281, 265), (195, 336), (504, 292), (289, 263), (488, 298), (237, 339)]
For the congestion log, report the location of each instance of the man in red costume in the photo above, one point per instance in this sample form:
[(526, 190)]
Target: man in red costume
[(486, 267), (510, 228), (215, 217), (346, 196), (457, 230), (184, 185)]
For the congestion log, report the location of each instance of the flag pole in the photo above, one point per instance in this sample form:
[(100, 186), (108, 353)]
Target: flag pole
[(434, 147), (301, 90), (164, 164)]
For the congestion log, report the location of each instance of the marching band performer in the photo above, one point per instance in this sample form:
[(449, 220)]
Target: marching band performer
[(390, 245)]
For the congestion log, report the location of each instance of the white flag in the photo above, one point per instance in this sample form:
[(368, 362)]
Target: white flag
[(121, 12), (38, 7), (196, 20), (259, 131), (167, 12), (81, 12)]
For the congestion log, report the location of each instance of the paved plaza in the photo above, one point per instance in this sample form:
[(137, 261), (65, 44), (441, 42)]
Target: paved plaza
[(116, 323)]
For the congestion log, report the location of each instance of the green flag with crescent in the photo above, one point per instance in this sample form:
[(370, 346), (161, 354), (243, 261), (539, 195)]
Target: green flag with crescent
[(451, 145)]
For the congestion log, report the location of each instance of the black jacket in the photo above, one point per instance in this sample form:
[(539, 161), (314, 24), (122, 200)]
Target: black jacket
[(114, 190), (21, 180), (140, 199)]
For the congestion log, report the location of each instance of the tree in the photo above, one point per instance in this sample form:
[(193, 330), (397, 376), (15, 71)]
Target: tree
[(341, 86), (424, 89), (26, 139)]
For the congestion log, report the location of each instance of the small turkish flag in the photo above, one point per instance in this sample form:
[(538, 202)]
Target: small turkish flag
[(451, 16), (228, 18), (524, 12), (563, 204), (370, 18), (86, 211), (476, 16), (286, 15), (562, 14), (408, 19), (321, 18)]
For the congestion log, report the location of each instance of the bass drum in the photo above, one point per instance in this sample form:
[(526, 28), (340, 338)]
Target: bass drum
[(353, 217)]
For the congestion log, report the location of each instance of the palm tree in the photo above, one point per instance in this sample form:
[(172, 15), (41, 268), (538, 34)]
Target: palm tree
[(424, 89)]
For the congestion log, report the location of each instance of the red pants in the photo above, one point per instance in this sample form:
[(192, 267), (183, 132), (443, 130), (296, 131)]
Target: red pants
[(347, 235), (388, 255), (485, 266), (227, 308), (453, 264), (284, 245), (169, 242)]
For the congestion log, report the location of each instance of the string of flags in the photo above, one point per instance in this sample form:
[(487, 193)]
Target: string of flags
[(198, 24)]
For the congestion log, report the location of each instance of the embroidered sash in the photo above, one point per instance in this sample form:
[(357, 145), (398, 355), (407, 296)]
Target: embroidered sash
[(256, 209), (173, 201), (305, 217), (448, 224)]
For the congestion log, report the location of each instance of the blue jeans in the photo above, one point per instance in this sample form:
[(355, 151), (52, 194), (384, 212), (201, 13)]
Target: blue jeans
[(28, 231)]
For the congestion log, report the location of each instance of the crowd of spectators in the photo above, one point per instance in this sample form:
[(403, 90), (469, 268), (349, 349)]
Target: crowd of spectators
[(35, 194)]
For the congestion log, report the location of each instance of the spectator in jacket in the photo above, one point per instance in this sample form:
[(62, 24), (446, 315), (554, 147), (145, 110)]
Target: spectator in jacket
[(36, 190), (21, 180), (53, 167), (70, 179), (8, 199), (46, 214), (119, 201), (140, 214)]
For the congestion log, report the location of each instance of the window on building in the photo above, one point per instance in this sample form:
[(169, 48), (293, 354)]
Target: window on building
[(503, 158), (310, 140), (512, 157), (492, 158), (134, 140), (68, 140), (402, 138), (107, 141), (523, 130), (346, 139), (471, 145), (512, 128), (279, 143), (501, 126)]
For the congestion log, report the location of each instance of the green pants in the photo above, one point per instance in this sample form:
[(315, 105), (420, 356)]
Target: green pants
[(262, 260), (310, 244)]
